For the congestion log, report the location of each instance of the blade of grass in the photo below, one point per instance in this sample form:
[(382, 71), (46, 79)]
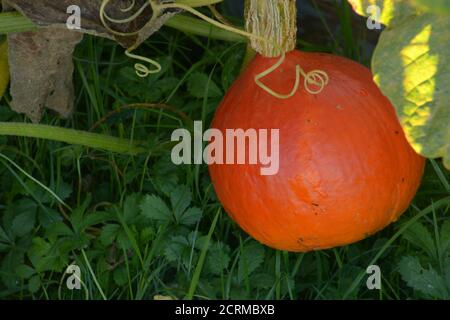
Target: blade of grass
[(201, 260), (97, 284), (441, 175), (53, 194)]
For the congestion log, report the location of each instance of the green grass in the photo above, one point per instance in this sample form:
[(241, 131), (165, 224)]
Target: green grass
[(138, 226)]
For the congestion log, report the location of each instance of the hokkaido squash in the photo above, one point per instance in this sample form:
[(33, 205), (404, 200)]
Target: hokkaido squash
[(346, 169)]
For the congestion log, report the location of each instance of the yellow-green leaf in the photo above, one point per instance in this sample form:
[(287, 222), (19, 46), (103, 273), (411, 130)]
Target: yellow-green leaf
[(411, 65), (436, 6), (387, 12)]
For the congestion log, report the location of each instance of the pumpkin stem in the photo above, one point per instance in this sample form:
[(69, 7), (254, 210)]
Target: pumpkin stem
[(276, 22), (274, 26)]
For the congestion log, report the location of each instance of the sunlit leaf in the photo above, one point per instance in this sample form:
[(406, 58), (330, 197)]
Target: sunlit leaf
[(411, 65), (436, 6), (387, 12)]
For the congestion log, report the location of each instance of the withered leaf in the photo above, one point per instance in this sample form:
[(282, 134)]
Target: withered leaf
[(41, 69), (51, 12)]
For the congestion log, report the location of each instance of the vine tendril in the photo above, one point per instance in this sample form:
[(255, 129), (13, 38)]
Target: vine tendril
[(263, 74), (316, 78), (131, 6), (142, 70)]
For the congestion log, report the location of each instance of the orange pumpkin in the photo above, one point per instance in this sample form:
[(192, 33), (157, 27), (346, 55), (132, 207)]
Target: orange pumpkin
[(346, 169)]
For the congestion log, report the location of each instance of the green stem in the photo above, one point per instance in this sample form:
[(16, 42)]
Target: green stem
[(198, 3), (198, 27), (11, 22), (71, 136)]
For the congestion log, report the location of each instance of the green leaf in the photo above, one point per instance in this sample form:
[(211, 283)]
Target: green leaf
[(252, 255), (44, 256), (64, 190), (218, 258), (24, 271), (419, 236), (8, 264), (200, 85), (165, 177), (59, 229), (411, 65), (155, 208), (180, 199), (175, 249), (436, 6), (34, 284), (109, 233), (24, 223), (77, 216), (3, 236), (94, 218), (391, 12), (131, 207), (191, 216), (427, 281), (120, 276), (25, 217), (48, 217)]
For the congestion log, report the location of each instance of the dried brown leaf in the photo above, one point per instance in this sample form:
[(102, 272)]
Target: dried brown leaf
[(41, 69), (51, 12)]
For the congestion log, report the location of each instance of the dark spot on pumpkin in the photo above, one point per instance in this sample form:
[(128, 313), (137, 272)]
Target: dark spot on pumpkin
[(397, 132), (403, 179), (315, 204), (301, 240), (308, 120)]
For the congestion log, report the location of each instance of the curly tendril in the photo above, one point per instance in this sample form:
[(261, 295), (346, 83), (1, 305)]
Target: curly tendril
[(317, 78), (272, 69), (105, 18), (142, 70), (130, 7)]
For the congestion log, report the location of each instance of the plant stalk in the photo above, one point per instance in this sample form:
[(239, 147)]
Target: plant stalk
[(71, 136), (275, 21), (13, 22)]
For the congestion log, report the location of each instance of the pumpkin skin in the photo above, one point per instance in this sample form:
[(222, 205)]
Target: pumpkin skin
[(346, 169)]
